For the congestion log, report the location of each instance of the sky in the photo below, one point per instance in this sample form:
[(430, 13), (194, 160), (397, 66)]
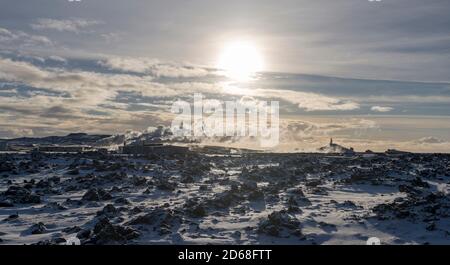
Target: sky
[(373, 75)]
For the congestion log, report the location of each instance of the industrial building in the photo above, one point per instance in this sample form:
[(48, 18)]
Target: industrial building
[(63, 148), (154, 149)]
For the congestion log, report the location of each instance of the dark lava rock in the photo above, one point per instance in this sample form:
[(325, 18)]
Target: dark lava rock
[(87, 179), (299, 201), (196, 169), (84, 234), (256, 195), (105, 232), (292, 201), (357, 177), (115, 189), (348, 204), (431, 226), (53, 179), (73, 172), (138, 181), (198, 211), (28, 186), (96, 195), (7, 166), (21, 195), (38, 228), (59, 240), (327, 227), (234, 186), (44, 243), (161, 219), (71, 230), (123, 201), (11, 217), (418, 182), (294, 209), (389, 211), (194, 209), (147, 219), (408, 189), (299, 192), (313, 183), (55, 206), (6, 203), (109, 210), (187, 179), (43, 184), (116, 176), (319, 191), (276, 222), (203, 187), (431, 206), (237, 234), (225, 199), (91, 195), (249, 186), (136, 210), (166, 185), (71, 202)]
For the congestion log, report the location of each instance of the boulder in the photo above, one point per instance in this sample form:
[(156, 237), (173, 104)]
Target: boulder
[(38, 228), (96, 195)]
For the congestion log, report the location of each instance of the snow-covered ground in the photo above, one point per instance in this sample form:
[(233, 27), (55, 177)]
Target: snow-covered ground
[(201, 198)]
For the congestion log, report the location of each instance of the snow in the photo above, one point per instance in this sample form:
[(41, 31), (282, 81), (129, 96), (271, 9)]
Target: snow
[(336, 208)]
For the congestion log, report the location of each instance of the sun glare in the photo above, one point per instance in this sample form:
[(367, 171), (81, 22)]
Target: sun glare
[(240, 61)]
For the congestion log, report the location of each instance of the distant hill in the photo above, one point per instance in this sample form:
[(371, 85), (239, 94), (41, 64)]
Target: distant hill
[(70, 139)]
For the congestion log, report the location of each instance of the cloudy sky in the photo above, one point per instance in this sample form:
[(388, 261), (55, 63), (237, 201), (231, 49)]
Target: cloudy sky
[(373, 75)]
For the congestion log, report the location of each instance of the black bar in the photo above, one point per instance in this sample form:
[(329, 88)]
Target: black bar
[(171, 254)]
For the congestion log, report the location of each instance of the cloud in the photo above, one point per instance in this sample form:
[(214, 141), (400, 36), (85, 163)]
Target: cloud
[(129, 64), (381, 109), (19, 71), (179, 71), (69, 25), (62, 100), (317, 102), (357, 41), (303, 100), (430, 140), (92, 88), (309, 101), (301, 129), (13, 39), (88, 89), (111, 37), (58, 59), (154, 67), (82, 85), (16, 132)]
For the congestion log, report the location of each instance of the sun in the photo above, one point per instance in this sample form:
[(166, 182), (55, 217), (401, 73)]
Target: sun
[(240, 60)]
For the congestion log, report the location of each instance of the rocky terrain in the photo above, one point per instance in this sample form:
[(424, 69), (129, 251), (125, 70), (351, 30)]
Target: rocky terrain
[(214, 198)]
